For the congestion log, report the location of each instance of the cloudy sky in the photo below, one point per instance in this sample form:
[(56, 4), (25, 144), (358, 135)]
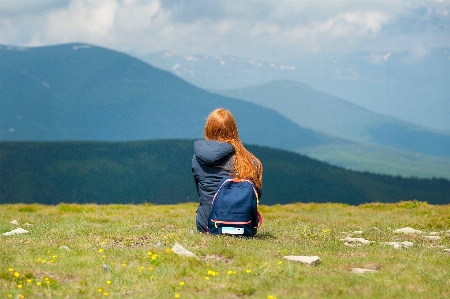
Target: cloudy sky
[(276, 30)]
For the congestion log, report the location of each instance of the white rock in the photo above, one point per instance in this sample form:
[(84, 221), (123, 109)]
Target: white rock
[(15, 222), (357, 232), (16, 231), (64, 247), (407, 230), (308, 260), (363, 271), (397, 245), (432, 238), (447, 250), (352, 241), (433, 233), (178, 249)]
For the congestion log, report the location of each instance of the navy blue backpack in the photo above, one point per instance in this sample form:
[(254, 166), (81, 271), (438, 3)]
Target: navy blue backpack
[(235, 208)]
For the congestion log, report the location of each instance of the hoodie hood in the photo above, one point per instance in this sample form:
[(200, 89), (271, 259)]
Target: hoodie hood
[(211, 152)]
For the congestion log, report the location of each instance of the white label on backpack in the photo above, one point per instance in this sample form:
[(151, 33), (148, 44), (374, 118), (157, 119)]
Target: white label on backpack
[(232, 230)]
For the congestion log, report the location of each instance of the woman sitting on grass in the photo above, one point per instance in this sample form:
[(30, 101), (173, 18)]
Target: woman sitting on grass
[(221, 155)]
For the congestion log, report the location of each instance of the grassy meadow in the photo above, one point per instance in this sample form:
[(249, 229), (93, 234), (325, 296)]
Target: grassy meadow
[(125, 251)]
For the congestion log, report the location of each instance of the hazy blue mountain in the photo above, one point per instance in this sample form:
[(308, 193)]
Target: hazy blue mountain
[(159, 171), (310, 108), (413, 89), (382, 144), (83, 92)]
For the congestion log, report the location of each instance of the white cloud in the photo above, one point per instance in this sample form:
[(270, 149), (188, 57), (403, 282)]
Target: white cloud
[(92, 19), (259, 29)]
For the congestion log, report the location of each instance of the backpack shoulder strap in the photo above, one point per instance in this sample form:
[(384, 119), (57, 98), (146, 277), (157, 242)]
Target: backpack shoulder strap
[(220, 187)]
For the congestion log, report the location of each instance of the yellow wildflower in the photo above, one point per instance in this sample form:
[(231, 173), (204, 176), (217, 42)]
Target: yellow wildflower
[(108, 282), (16, 274)]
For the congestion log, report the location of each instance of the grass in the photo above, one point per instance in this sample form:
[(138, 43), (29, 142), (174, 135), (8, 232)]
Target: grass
[(100, 251), (377, 159)]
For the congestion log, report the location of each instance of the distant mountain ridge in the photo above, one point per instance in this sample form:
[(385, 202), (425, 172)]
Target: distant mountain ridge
[(312, 109), (382, 144), (413, 89), (83, 92)]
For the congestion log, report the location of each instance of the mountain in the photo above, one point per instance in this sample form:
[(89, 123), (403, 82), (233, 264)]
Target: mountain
[(382, 144), (413, 89), (159, 171), (84, 92), (312, 109)]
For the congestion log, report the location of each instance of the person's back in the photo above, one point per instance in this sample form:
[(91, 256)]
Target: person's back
[(212, 162), (221, 155)]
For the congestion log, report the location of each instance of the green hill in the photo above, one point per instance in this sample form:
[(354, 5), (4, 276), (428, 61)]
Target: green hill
[(160, 172)]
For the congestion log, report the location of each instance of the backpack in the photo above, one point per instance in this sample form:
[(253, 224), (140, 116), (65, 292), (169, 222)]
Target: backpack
[(235, 208)]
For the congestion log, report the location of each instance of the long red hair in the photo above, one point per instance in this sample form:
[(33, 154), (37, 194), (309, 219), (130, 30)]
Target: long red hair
[(221, 126)]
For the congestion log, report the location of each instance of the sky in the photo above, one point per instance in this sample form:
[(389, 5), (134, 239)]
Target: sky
[(269, 30)]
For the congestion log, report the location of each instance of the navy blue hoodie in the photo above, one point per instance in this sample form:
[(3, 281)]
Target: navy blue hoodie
[(212, 161)]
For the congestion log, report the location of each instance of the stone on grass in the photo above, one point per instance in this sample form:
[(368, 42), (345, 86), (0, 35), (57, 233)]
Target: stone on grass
[(398, 245), (63, 247), (432, 238), (355, 241), (447, 250), (357, 232), (307, 260), (363, 270), (15, 222), (178, 249), (16, 231), (407, 230)]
